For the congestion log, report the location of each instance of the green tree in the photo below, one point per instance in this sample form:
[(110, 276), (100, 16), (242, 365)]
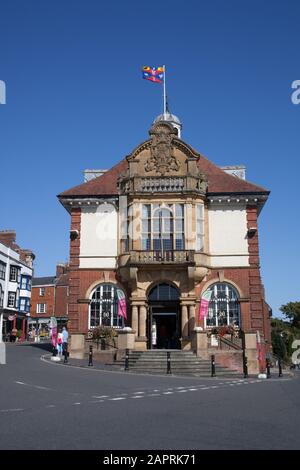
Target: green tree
[(278, 344), (292, 311)]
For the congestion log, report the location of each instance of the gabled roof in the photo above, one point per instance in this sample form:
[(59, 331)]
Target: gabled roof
[(219, 182)]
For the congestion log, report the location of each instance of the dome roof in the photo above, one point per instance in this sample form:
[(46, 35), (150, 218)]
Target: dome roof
[(168, 117)]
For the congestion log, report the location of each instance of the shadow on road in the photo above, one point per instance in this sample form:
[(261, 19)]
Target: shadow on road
[(44, 346)]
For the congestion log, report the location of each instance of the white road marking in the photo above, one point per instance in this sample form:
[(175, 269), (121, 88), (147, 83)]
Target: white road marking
[(214, 386), (118, 398), (101, 396), (193, 389), (97, 401), (11, 410), (154, 395), (138, 393), (204, 388), (21, 383), (137, 396), (77, 403), (168, 393), (182, 391)]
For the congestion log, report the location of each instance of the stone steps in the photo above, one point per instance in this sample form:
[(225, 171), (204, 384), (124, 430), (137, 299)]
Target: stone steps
[(182, 363)]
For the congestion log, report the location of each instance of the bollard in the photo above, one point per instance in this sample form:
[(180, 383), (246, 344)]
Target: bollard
[(54, 353), (268, 365), (65, 353), (91, 356), (245, 367), (169, 363), (127, 359), (279, 368), (213, 366)]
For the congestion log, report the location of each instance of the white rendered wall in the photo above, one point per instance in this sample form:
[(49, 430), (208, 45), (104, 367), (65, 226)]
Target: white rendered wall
[(99, 237), (228, 243)]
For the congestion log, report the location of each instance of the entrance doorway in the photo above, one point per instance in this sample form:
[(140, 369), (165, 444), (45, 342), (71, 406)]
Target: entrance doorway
[(164, 326)]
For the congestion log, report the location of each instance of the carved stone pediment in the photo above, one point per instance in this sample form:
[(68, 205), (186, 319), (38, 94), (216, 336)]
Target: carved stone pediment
[(162, 159)]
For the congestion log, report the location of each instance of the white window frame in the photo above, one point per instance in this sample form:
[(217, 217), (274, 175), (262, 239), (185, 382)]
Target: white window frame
[(200, 227), (11, 295), (39, 309), (113, 292), (42, 292), (13, 274), (227, 300), (2, 270)]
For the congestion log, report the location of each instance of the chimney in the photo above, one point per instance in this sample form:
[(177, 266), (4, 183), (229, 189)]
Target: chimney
[(60, 269), (8, 238)]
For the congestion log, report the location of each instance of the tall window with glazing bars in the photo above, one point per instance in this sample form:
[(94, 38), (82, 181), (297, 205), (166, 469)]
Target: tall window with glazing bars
[(162, 227)]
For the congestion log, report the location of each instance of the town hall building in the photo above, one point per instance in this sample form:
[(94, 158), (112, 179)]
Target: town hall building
[(163, 227)]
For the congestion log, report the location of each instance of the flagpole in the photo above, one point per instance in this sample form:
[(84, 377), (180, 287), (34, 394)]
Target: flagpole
[(165, 101)]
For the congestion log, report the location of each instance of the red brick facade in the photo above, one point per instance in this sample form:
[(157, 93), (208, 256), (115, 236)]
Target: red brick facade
[(48, 299)]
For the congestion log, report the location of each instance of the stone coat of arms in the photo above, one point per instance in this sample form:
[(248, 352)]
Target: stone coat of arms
[(162, 159)]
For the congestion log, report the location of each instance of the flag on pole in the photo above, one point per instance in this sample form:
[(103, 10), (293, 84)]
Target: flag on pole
[(154, 74), (204, 303), (121, 304)]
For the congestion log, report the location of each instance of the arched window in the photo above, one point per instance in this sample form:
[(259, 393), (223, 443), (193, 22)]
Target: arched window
[(163, 227), (224, 305), (163, 292), (104, 307)]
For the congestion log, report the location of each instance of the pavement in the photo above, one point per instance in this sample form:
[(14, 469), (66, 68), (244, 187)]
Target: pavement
[(44, 405)]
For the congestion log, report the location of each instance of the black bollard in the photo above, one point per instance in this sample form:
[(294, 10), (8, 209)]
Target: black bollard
[(91, 356), (245, 367), (65, 353), (54, 351), (127, 359), (279, 368), (268, 365), (213, 366), (169, 363)]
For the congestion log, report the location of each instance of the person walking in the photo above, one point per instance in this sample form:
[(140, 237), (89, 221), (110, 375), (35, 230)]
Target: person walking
[(65, 338), (59, 343), (13, 335)]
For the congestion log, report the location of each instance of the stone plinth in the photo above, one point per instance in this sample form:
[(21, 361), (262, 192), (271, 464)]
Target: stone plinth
[(76, 347), (126, 339), (251, 353), (199, 343)]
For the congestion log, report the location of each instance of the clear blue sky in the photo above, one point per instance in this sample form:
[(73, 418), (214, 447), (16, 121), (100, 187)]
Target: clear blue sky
[(76, 99)]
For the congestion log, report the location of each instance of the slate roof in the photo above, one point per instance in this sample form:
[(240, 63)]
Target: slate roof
[(43, 281)]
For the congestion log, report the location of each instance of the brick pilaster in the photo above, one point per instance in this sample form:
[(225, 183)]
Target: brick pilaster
[(74, 271)]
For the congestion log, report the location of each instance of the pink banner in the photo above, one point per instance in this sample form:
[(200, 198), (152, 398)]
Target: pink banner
[(122, 308), (204, 303), (203, 310)]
